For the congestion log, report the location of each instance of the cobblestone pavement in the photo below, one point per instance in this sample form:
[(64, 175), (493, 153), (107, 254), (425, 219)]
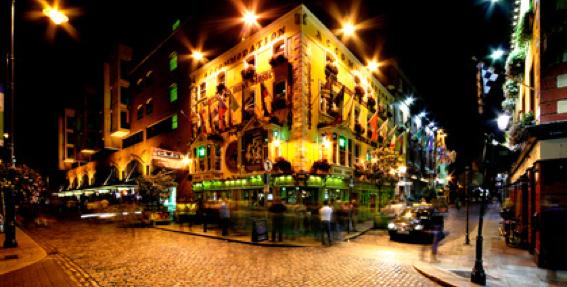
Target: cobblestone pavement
[(115, 256)]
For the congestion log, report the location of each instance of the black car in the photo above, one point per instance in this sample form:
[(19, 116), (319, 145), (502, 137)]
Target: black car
[(416, 222)]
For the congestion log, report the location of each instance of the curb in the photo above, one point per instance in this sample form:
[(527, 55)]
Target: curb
[(262, 244), (433, 278)]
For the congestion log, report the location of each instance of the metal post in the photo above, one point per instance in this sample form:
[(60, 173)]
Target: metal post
[(478, 275), (467, 239), (11, 61), (10, 212)]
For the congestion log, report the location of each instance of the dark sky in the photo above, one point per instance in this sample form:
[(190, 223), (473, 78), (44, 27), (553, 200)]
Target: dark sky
[(433, 42)]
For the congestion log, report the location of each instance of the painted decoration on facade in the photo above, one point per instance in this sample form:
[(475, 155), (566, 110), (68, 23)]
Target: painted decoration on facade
[(254, 149), (231, 156)]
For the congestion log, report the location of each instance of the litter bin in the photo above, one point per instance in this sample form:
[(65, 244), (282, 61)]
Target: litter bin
[(259, 229)]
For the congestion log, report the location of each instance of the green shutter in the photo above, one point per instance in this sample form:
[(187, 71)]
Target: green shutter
[(173, 93), (174, 122), (172, 61)]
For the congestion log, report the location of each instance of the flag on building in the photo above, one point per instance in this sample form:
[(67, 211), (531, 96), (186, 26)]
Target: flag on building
[(348, 108), (488, 78), (384, 129), (233, 103), (373, 123)]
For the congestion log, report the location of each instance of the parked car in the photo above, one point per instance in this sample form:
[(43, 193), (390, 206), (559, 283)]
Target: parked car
[(416, 222)]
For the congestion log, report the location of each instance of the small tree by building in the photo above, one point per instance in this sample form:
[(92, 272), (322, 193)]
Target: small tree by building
[(155, 187)]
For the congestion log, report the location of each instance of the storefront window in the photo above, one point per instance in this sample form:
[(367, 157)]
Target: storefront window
[(217, 157)]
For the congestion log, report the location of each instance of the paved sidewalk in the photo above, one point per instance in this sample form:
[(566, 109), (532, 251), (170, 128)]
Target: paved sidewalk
[(27, 253), (295, 241), (504, 266), (34, 267)]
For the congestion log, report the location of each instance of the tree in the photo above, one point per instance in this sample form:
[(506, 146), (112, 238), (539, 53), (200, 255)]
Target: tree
[(154, 187), (384, 166)]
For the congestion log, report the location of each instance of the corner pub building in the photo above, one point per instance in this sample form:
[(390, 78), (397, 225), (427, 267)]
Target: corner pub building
[(288, 112)]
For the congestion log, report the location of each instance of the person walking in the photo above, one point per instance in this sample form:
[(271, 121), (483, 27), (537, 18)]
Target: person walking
[(353, 212), (224, 216), (325, 214), (277, 211)]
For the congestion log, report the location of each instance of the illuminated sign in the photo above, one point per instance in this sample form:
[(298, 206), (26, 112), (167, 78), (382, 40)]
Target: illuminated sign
[(342, 141), (201, 152)]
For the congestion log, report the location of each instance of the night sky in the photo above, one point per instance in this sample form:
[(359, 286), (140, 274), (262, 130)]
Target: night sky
[(433, 42)]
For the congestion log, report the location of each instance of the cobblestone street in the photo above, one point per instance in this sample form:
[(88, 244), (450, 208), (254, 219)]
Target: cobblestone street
[(115, 256)]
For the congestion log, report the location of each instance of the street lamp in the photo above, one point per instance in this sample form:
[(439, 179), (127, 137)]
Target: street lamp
[(57, 17), (503, 120)]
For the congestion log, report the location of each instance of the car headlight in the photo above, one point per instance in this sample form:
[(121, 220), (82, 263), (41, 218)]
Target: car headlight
[(418, 227), (391, 225)]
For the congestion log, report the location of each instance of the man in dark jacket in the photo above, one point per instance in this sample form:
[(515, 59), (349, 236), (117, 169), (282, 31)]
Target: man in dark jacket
[(277, 211)]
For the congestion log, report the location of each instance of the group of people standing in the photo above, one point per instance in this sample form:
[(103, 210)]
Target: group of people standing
[(336, 219)]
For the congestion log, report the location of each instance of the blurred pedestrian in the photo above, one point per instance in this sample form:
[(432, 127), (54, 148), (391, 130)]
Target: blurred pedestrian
[(437, 236), (352, 216), (325, 214), (277, 211), (224, 216)]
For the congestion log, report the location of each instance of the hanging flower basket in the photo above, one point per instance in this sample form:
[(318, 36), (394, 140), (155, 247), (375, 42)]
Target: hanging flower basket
[(528, 119), (220, 88), (331, 69), (278, 60), (320, 166), (248, 73), (371, 102), (511, 89), (524, 29), (517, 134), (282, 165), (358, 93), (509, 105), (515, 62), (358, 129)]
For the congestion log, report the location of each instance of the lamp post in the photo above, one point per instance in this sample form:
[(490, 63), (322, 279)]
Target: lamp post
[(478, 275), (57, 17), (467, 199)]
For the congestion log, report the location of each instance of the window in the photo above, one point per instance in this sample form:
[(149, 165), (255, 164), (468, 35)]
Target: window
[(140, 112), (174, 122), (124, 96), (149, 106), (133, 139), (279, 48), (124, 120), (279, 100), (172, 61), (357, 153), (175, 24), (209, 163), (71, 123), (70, 152), (217, 157), (70, 138), (202, 91), (163, 126), (342, 150), (173, 93)]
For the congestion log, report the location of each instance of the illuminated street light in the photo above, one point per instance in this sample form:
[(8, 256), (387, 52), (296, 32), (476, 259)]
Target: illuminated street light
[(250, 18), (349, 29), (372, 66), (497, 54), (56, 16), (197, 55), (503, 120), (409, 100)]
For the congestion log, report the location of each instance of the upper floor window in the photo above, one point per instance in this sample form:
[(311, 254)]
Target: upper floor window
[(202, 91), (173, 93), (279, 47), (173, 61), (149, 106), (174, 122), (140, 112)]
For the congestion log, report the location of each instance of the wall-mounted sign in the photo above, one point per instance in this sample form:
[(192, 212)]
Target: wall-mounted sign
[(168, 159)]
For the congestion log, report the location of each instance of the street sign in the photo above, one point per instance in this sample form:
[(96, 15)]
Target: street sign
[(268, 165)]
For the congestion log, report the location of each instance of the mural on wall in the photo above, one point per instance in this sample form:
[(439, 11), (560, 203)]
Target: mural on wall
[(254, 149)]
